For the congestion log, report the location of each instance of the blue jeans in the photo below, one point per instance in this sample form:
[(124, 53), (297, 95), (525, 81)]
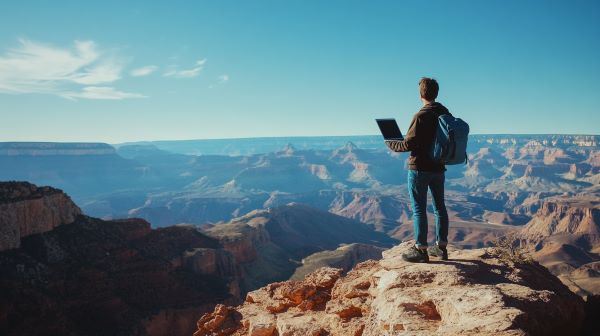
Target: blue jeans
[(418, 183)]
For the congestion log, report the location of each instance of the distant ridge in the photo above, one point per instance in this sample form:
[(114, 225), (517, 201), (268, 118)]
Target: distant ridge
[(261, 145), (55, 148), (249, 146)]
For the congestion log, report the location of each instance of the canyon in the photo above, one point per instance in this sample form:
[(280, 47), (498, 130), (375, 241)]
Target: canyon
[(268, 210)]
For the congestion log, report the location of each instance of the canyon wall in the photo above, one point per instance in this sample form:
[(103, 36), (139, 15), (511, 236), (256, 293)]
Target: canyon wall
[(70, 274), (26, 209)]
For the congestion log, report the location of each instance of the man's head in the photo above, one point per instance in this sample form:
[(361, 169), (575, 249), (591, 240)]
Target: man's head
[(428, 87)]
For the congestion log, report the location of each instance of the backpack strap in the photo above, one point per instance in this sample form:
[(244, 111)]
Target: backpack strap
[(451, 138)]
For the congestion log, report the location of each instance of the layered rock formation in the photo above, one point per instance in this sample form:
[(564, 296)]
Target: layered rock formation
[(471, 294), (564, 236), (26, 209), (92, 277), (574, 215)]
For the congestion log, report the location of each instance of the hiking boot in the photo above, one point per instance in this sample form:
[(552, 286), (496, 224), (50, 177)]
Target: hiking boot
[(438, 251), (415, 255)]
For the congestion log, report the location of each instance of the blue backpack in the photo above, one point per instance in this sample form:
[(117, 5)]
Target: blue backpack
[(450, 142)]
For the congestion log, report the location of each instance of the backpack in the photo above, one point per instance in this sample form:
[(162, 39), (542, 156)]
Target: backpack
[(450, 142)]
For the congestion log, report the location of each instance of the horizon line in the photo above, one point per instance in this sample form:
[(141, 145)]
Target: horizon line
[(287, 137)]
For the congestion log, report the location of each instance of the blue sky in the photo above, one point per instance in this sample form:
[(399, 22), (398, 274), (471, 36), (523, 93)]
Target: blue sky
[(117, 71)]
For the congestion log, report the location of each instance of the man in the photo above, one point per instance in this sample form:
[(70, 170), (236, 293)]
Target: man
[(424, 173)]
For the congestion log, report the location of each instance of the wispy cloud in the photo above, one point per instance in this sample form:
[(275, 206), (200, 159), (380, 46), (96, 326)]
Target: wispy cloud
[(187, 73), (143, 71), (34, 67), (101, 92), (220, 81)]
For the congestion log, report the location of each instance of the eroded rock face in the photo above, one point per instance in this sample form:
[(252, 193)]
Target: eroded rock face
[(573, 215), (26, 209), (243, 247), (563, 236), (76, 275), (216, 262), (471, 294), (95, 277)]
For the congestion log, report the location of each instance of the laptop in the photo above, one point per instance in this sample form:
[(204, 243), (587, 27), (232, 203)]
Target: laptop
[(389, 129)]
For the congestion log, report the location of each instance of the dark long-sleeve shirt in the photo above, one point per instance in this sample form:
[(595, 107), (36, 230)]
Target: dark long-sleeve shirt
[(419, 138)]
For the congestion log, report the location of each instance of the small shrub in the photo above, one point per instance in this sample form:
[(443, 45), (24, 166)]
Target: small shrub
[(510, 250)]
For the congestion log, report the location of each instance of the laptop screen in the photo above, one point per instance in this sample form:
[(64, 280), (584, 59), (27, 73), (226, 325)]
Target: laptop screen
[(389, 129)]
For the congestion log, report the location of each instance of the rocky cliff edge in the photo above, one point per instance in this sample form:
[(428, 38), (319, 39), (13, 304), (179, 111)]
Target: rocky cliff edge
[(473, 293)]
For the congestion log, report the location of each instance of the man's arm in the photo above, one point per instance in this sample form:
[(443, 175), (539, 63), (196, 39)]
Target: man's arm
[(410, 142)]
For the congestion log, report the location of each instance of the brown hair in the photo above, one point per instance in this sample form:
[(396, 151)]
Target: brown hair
[(428, 87)]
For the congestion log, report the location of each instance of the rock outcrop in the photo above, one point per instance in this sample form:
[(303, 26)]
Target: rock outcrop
[(241, 238), (26, 209), (76, 275), (471, 294)]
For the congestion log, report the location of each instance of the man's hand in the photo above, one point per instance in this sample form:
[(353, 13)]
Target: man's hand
[(394, 145)]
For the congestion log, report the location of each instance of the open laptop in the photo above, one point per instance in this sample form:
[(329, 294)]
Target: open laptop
[(389, 129)]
